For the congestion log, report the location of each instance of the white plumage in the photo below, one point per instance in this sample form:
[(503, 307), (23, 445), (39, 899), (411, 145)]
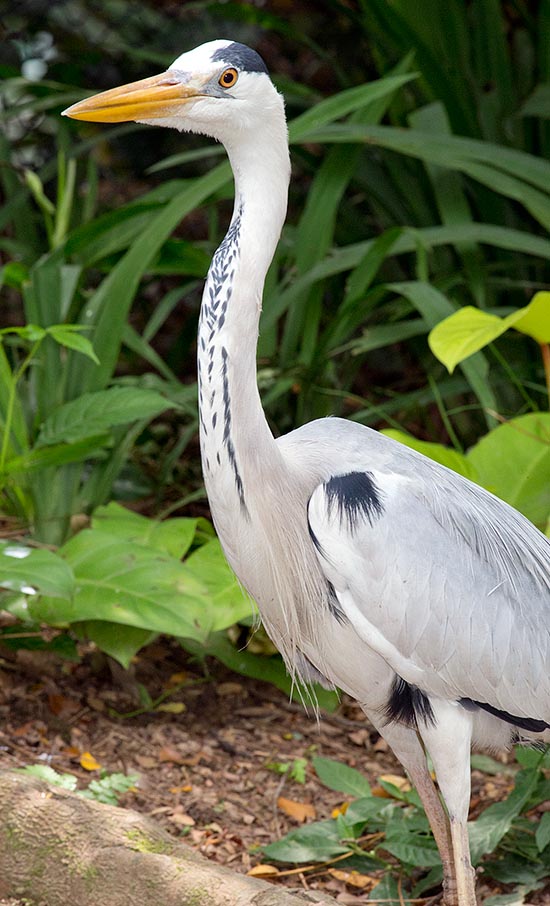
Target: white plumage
[(374, 568)]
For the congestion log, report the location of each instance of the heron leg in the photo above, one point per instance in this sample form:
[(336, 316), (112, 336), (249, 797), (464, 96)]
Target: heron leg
[(408, 748), (448, 741)]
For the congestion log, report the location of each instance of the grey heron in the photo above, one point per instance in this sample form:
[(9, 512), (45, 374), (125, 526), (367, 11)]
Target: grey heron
[(375, 569)]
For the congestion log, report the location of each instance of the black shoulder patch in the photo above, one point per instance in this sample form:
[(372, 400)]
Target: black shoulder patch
[(241, 56), (407, 704), (355, 495), (531, 724)]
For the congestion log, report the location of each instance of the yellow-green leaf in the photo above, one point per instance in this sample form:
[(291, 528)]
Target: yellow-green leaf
[(461, 334), (534, 319), (468, 330)]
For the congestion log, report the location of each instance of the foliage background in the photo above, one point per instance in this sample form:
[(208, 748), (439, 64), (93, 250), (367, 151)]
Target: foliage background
[(421, 189)]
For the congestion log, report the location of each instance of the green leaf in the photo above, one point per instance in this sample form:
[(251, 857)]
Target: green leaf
[(33, 571), (342, 104), (67, 336), (489, 765), (534, 319), (13, 274), (122, 582), (468, 330), (438, 452), (30, 332), (45, 772), (538, 103), (413, 848), (118, 641), (268, 669), (316, 842), (462, 334), (491, 826), (507, 899), (174, 536), (513, 462), (388, 893), (56, 455), (230, 601), (432, 305), (542, 834), (341, 777), (110, 788), (93, 413)]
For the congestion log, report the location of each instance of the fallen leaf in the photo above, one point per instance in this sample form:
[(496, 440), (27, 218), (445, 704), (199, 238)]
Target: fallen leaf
[(354, 878), (300, 811), (339, 810), (71, 752), (170, 754), (88, 762), (397, 780), (185, 820), (145, 761), (171, 707), (263, 871), (178, 678), (229, 688)]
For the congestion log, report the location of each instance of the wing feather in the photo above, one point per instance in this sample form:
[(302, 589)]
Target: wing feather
[(448, 583)]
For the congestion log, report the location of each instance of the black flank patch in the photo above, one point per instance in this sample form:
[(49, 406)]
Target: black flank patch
[(531, 724), (356, 496), (407, 704), (240, 56)]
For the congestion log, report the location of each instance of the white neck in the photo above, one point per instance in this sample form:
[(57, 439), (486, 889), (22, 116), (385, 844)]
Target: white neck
[(235, 436)]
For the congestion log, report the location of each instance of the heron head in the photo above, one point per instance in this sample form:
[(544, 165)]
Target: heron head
[(221, 89)]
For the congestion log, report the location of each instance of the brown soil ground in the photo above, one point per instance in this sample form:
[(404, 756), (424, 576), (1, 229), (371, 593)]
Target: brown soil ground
[(203, 767)]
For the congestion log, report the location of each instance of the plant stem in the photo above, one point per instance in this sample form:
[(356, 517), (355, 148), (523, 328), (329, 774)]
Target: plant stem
[(545, 350)]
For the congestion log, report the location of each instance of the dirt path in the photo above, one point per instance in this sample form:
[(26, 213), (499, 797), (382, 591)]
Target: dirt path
[(206, 760)]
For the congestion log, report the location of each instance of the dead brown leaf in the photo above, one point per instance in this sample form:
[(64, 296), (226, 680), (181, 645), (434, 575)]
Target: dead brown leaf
[(263, 871), (300, 811), (354, 878)]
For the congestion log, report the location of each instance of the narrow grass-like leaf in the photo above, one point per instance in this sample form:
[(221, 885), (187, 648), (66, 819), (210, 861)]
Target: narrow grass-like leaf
[(340, 105), (107, 310), (433, 305)]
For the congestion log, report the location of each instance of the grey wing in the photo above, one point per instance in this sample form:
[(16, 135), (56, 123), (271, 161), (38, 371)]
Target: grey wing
[(445, 581)]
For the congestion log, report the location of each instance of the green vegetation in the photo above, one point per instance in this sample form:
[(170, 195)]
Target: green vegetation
[(107, 789), (410, 291), (391, 832)]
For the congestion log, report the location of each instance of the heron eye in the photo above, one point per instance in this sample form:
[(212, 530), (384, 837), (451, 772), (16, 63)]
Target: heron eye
[(228, 78)]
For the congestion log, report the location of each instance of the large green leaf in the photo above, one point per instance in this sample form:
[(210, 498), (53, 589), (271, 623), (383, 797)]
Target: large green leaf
[(119, 581), (33, 571), (513, 461), (438, 452), (173, 536), (119, 641), (230, 603), (93, 413)]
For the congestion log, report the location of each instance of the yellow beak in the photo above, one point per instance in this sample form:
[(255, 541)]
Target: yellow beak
[(159, 96)]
